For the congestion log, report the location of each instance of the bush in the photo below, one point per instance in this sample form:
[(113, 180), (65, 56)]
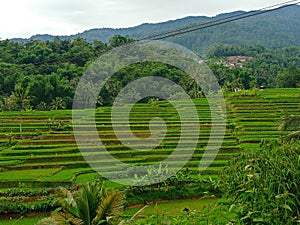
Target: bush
[(24, 208), (12, 192), (264, 185)]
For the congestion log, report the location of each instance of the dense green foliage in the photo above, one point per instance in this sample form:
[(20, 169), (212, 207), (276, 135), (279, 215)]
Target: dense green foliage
[(92, 204), (264, 185), (44, 75), (266, 67), (48, 72)]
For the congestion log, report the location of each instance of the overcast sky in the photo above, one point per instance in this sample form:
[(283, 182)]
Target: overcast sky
[(24, 18)]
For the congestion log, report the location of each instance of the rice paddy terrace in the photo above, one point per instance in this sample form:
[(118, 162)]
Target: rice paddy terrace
[(258, 116), (46, 153), (43, 154)]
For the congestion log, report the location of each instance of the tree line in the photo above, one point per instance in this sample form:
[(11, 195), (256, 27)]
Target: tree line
[(44, 75)]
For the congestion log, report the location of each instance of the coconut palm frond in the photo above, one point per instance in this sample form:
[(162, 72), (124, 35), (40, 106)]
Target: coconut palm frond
[(93, 204), (290, 122), (293, 135), (66, 219), (110, 206), (83, 206), (88, 200), (47, 221)]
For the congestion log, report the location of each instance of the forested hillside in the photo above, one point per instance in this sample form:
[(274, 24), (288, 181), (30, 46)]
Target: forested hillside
[(44, 75), (274, 29), (262, 67)]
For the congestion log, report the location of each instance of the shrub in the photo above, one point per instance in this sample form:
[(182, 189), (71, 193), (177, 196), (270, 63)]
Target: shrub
[(264, 185), (24, 208)]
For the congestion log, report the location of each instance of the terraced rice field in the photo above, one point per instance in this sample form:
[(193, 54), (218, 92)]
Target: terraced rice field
[(258, 117), (46, 153)]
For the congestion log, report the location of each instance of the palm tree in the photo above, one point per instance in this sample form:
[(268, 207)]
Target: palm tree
[(190, 85), (20, 97), (58, 103), (93, 204), (291, 122)]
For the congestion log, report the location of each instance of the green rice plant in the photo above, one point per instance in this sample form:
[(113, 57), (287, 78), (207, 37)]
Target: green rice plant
[(22, 220), (20, 175)]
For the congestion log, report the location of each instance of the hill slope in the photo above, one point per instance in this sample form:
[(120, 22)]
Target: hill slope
[(274, 29)]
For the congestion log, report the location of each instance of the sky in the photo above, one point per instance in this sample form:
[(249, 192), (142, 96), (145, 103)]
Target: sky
[(24, 18)]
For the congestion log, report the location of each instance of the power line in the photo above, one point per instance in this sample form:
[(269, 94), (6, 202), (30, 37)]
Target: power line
[(195, 27), (222, 21)]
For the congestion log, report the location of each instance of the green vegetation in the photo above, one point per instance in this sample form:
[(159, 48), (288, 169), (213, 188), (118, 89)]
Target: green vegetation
[(27, 81), (26, 221), (47, 156), (247, 67), (50, 156), (196, 211), (93, 204), (39, 153), (264, 185), (44, 75)]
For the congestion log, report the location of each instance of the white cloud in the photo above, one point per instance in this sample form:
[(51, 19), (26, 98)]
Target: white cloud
[(23, 18)]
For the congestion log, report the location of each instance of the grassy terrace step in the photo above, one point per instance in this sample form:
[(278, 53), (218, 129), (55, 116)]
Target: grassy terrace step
[(256, 136), (46, 142), (262, 114), (38, 152), (60, 174), (108, 163), (258, 119), (69, 159), (248, 125), (43, 147), (111, 141), (19, 156), (261, 129), (262, 105), (121, 154)]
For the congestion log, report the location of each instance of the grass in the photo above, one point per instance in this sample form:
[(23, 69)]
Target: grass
[(23, 221), (175, 208), (174, 211), (20, 175)]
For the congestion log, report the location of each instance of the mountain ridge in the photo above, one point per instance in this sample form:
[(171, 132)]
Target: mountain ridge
[(273, 29)]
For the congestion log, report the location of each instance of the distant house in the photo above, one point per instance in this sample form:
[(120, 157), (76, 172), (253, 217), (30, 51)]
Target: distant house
[(235, 61)]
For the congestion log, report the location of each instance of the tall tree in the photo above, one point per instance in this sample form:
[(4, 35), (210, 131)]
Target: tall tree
[(289, 78), (21, 99), (118, 40)]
